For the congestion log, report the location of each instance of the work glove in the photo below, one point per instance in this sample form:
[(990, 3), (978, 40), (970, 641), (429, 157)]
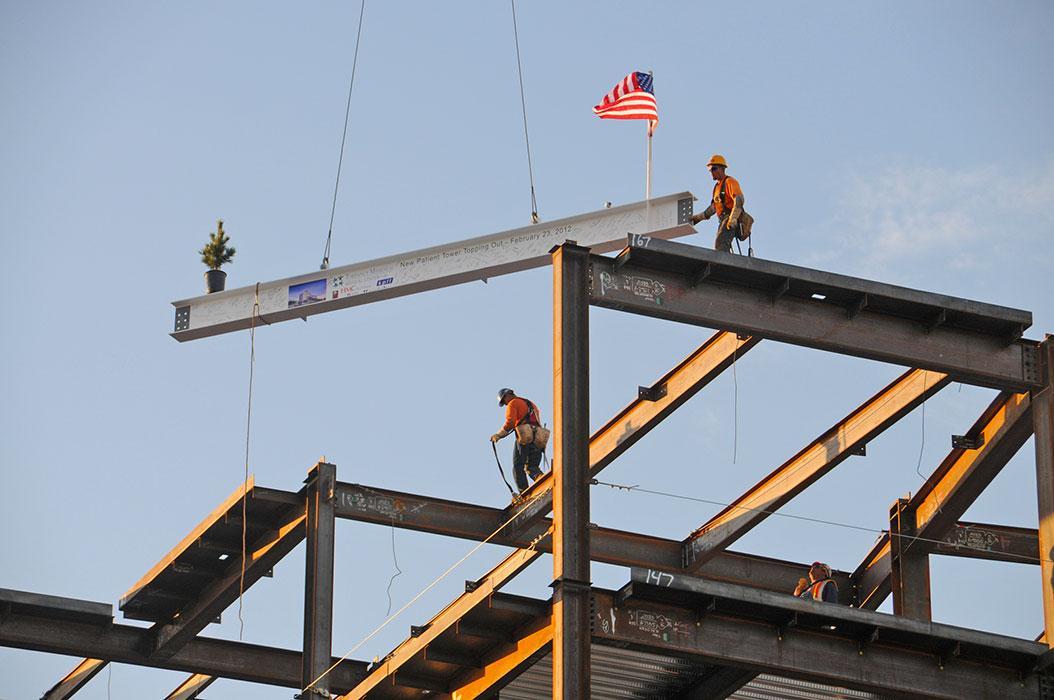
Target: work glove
[(497, 436), (732, 221)]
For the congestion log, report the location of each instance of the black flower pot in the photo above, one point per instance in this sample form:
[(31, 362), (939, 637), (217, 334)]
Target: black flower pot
[(215, 281)]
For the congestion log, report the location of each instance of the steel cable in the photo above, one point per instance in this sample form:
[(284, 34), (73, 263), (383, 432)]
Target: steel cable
[(523, 106)]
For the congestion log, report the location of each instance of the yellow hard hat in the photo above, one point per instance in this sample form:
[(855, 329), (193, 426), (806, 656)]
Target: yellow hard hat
[(717, 160)]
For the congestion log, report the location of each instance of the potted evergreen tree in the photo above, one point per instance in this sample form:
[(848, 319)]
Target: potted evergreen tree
[(215, 254)]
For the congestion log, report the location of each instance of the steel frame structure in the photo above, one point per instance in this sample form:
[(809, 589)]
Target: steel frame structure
[(726, 615)]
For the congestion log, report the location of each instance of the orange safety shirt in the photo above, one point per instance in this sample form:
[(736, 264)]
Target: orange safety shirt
[(725, 193), (516, 411)]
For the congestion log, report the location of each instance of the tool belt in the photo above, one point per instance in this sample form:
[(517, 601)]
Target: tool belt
[(743, 227), (537, 435), (530, 434)]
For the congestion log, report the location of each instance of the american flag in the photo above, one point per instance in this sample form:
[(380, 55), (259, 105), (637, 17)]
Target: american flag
[(632, 98)]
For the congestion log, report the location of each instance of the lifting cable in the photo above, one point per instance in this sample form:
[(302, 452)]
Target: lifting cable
[(806, 518), (427, 588), (343, 139), (523, 105), (248, 424)]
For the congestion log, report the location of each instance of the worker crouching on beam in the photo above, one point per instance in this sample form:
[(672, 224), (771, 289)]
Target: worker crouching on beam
[(523, 419), (727, 203)]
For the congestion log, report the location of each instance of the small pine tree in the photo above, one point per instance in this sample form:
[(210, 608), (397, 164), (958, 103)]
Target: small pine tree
[(216, 253)]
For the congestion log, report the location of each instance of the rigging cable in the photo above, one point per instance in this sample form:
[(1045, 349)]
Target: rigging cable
[(424, 590), (821, 521), (523, 105), (343, 139)]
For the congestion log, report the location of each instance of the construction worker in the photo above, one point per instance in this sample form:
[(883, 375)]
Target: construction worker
[(727, 203), (819, 586), (526, 455)]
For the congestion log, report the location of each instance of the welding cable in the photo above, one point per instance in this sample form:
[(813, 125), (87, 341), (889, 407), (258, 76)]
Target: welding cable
[(430, 586), (343, 139), (806, 518), (523, 106)]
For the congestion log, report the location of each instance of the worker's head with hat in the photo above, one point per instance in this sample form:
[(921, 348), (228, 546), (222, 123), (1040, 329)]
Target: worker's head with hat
[(819, 571), (505, 395), (717, 166)]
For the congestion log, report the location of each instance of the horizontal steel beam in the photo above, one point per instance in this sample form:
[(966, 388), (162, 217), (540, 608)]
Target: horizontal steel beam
[(1002, 428), (424, 270), (474, 522), (670, 283), (816, 459), (644, 413), (764, 632), (1016, 545), (127, 644)]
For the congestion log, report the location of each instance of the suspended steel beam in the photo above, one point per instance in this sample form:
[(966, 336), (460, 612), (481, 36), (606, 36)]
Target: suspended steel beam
[(423, 270), (1043, 420), (75, 679), (1003, 427), (770, 633), (474, 522), (649, 409), (192, 687), (816, 459), (976, 343), (571, 564), (445, 620), (37, 629)]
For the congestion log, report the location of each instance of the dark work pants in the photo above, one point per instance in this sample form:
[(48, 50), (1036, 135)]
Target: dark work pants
[(525, 460), (724, 236)]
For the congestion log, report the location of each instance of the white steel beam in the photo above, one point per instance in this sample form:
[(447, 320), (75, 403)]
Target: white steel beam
[(431, 268)]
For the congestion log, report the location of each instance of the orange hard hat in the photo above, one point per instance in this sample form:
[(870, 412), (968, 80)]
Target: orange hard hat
[(717, 160)]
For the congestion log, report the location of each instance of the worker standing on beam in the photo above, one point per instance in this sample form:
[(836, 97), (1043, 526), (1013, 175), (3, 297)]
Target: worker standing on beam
[(727, 203), (819, 586), (523, 418)]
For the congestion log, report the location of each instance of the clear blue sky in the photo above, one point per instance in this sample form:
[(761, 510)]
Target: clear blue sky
[(905, 142)]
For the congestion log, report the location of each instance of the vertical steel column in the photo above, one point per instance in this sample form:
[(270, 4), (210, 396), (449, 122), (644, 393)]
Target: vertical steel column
[(910, 564), (571, 582), (318, 579), (1043, 424)]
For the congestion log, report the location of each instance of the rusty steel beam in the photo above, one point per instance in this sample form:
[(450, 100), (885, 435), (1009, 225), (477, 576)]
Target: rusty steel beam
[(909, 569), (1016, 545), (661, 279), (1004, 426), (40, 631), (502, 665), (474, 522), (571, 564), (823, 454), (649, 409), (1043, 420), (192, 687), (318, 578), (169, 637), (385, 673), (75, 679)]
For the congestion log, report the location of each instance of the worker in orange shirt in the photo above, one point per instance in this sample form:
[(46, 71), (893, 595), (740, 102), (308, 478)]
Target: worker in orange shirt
[(523, 419), (727, 203)]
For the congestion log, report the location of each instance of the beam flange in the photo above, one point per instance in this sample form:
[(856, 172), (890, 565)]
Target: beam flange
[(502, 665), (816, 459), (1043, 420), (318, 578)]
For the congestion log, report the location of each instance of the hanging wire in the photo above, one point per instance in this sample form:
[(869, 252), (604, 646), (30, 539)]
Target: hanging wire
[(922, 447), (397, 573), (245, 480), (343, 139), (735, 403), (424, 590), (820, 521), (523, 105)]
